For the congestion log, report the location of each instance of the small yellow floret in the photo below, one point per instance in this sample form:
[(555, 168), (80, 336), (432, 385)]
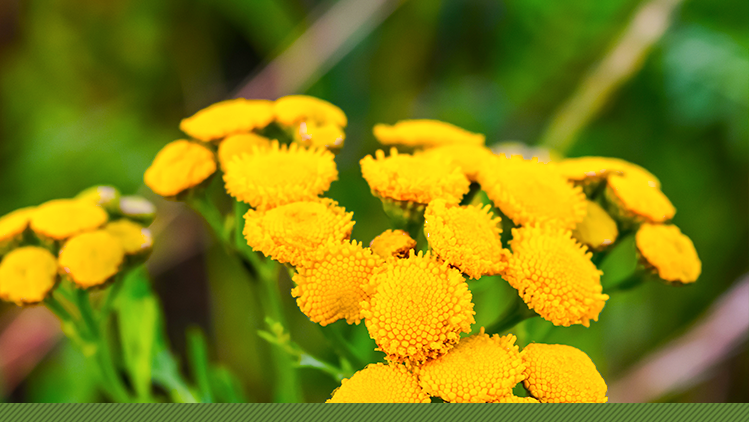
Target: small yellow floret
[(530, 192), (419, 178), (280, 175), (638, 199), (27, 275), (598, 230), (470, 158), (329, 288), (292, 233), (425, 132), (133, 237), (555, 373), (294, 109), (418, 308), (13, 224), (380, 383), (329, 136), (90, 259), (235, 145), (479, 369), (669, 252), (179, 166), (466, 237), (392, 243), (596, 168), (62, 218), (227, 118), (554, 276)]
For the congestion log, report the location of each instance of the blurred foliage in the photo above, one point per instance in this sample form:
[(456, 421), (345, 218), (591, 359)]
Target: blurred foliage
[(91, 89)]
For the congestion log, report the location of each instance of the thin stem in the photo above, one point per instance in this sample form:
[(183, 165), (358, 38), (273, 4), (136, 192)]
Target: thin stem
[(516, 314), (342, 347), (628, 283), (215, 219)]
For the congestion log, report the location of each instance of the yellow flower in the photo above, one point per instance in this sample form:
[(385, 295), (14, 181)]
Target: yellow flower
[(392, 243), (329, 288), (13, 224), (179, 166), (107, 197), (291, 233), (227, 118), (62, 218), (280, 175), (27, 275), (554, 275), (479, 369), (636, 198), (294, 109), (466, 237), (424, 132), (530, 192), (134, 238), (596, 168), (598, 230), (421, 179), (90, 259), (669, 252), (515, 399), (471, 158), (555, 373), (329, 136), (380, 383), (236, 145), (418, 308)]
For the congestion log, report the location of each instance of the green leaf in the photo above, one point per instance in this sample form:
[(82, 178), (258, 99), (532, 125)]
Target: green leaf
[(197, 352)]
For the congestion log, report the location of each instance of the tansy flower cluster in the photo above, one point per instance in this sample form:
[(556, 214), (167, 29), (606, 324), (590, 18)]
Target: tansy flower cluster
[(87, 240)]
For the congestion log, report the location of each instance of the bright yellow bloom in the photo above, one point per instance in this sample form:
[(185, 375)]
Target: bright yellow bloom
[(554, 276), (636, 198), (104, 196), (515, 399), (392, 243), (425, 132), (418, 308), (13, 224), (471, 158), (555, 373), (236, 145), (530, 192), (27, 275), (479, 369), (329, 288), (227, 118), (466, 237), (62, 218), (669, 252), (596, 168), (293, 232), (179, 166), (134, 238), (329, 136), (598, 230), (280, 175), (90, 259), (380, 383), (414, 178), (294, 109)]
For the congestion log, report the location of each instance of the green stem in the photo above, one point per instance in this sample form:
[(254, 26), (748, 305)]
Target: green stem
[(516, 314), (628, 283), (342, 347), (215, 219)]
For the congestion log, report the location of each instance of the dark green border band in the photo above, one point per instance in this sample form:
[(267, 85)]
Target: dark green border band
[(373, 412)]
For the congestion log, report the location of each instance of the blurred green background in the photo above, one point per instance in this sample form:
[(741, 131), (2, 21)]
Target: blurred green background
[(90, 90)]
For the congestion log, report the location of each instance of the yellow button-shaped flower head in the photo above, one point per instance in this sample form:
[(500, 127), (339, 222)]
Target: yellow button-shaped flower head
[(425, 132), (554, 275), (415, 178), (392, 243), (598, 230), (62, 218), (227, 118), (479, 369), (27, 275), (92, 258), (418, 308), (380, 383), (134, 238), (669, 252), (596, 168), (329, 136), (179, 166), (295, 109), (280, 175), (235, 145), (556, 373), (469, 157), (466, 236), (636, 198), (531, 192), (292, 233), (13, 224), (330, 286)]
